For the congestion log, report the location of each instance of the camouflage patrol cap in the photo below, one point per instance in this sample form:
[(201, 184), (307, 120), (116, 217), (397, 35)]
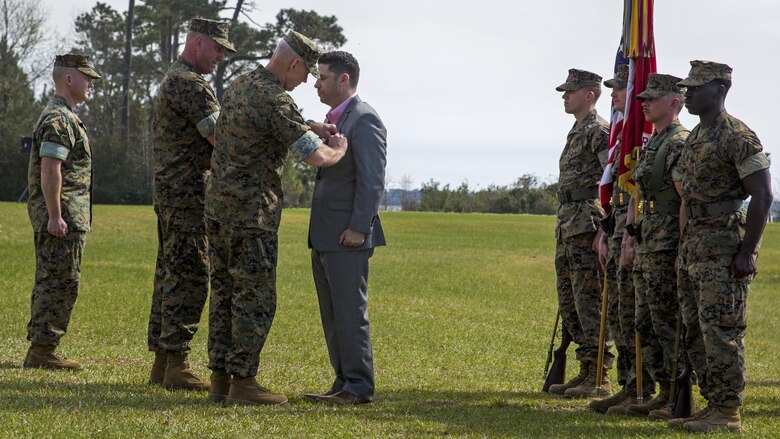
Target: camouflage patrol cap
[(306, 49), (578, 79), (703, 72), (660, 85), (78, 62), (621, 78), (217, 30)]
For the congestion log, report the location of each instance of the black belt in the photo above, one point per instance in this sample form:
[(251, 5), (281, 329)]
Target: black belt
[(651, 207), (578, 195), (712, 209)]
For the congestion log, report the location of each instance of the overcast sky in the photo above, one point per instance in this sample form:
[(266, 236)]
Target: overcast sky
[(467, 89)]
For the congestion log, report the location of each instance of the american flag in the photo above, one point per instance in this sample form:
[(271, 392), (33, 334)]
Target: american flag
[(606, 185)]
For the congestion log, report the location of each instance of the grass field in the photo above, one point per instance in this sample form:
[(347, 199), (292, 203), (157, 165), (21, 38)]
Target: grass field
[(461, 309)]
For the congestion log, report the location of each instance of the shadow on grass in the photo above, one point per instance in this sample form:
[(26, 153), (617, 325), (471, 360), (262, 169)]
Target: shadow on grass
[(763, 383), (502, 414), (29, 395), (761, 406)]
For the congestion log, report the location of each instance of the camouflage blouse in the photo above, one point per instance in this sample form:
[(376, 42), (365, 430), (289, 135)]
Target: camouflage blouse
[(581, 164), (659, 231), (61, 135), (258, 125), (186, 111), (713, 163)]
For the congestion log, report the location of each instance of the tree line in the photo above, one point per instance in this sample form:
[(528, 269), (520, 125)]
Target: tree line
[(132, 50), (527, 195)]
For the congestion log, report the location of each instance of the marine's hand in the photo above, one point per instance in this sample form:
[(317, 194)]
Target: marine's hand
[(57, 227), (323, 130), (603, 252), (742, 266), (337, 141), (677, 264), (627, 251), (352, 238)]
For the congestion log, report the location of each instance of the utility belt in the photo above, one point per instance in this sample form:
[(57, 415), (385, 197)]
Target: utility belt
[(706, 210), (571, 196), (620, 199), (653, 207)]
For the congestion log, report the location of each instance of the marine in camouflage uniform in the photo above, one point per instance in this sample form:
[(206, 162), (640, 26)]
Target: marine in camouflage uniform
[(576, 264), (186, 112), (620, 291), (617, 275), (658, 230), (722, 164), (258, 125), (59, 225)]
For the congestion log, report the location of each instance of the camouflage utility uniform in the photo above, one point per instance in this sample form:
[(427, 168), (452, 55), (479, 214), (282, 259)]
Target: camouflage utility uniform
[(61, 135), (618, 278), (258, 125), (186, 112), (579, 215), (654, 274), (714, 161)]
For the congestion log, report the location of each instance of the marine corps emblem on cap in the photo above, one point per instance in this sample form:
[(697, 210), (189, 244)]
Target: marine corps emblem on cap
[(217, 30), (306, 49), (78, 62), (703, 72), (578, 79), (621, 78), (660, 85)]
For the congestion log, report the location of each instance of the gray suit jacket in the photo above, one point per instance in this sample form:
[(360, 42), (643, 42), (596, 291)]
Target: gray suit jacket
[(347, 194)]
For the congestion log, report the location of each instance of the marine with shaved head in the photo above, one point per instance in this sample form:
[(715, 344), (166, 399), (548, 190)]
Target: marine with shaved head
[(60, 210)]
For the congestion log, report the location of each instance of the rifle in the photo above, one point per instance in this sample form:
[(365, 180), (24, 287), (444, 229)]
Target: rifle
[(558, 357), (552, 347), (682, 391), (683, 401)]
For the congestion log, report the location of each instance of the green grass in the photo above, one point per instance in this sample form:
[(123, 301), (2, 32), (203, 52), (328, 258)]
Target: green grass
[(461, 309)]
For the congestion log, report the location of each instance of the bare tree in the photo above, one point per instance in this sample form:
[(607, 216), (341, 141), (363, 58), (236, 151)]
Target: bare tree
[(408, 201), (22, 34)]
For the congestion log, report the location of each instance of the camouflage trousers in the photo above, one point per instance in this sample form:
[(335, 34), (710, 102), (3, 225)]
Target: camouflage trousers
[(243, 296), (181, 279), (657, 310), (713, 309), (620, 317), (57, 277), (579, 295)]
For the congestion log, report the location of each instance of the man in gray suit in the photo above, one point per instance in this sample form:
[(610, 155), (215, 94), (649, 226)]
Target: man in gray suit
[(345, 228)]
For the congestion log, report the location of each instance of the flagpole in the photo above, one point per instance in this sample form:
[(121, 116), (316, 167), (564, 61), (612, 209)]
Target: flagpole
[(640, 48)]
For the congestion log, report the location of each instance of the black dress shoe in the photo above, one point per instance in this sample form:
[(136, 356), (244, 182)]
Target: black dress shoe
[(316, 397), (344, 398)]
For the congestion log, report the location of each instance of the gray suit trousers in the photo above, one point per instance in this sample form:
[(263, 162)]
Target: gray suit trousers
[(341, 279)]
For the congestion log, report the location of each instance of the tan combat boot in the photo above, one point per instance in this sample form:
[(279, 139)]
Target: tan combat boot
[(601, 405), (657, 403), (620, 409), (178, 375), (157, 375), (246, 391), (560, 389), (662, 414), (45, 357), (679, 422), (718, 419), (587, 388), (220, 386)]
